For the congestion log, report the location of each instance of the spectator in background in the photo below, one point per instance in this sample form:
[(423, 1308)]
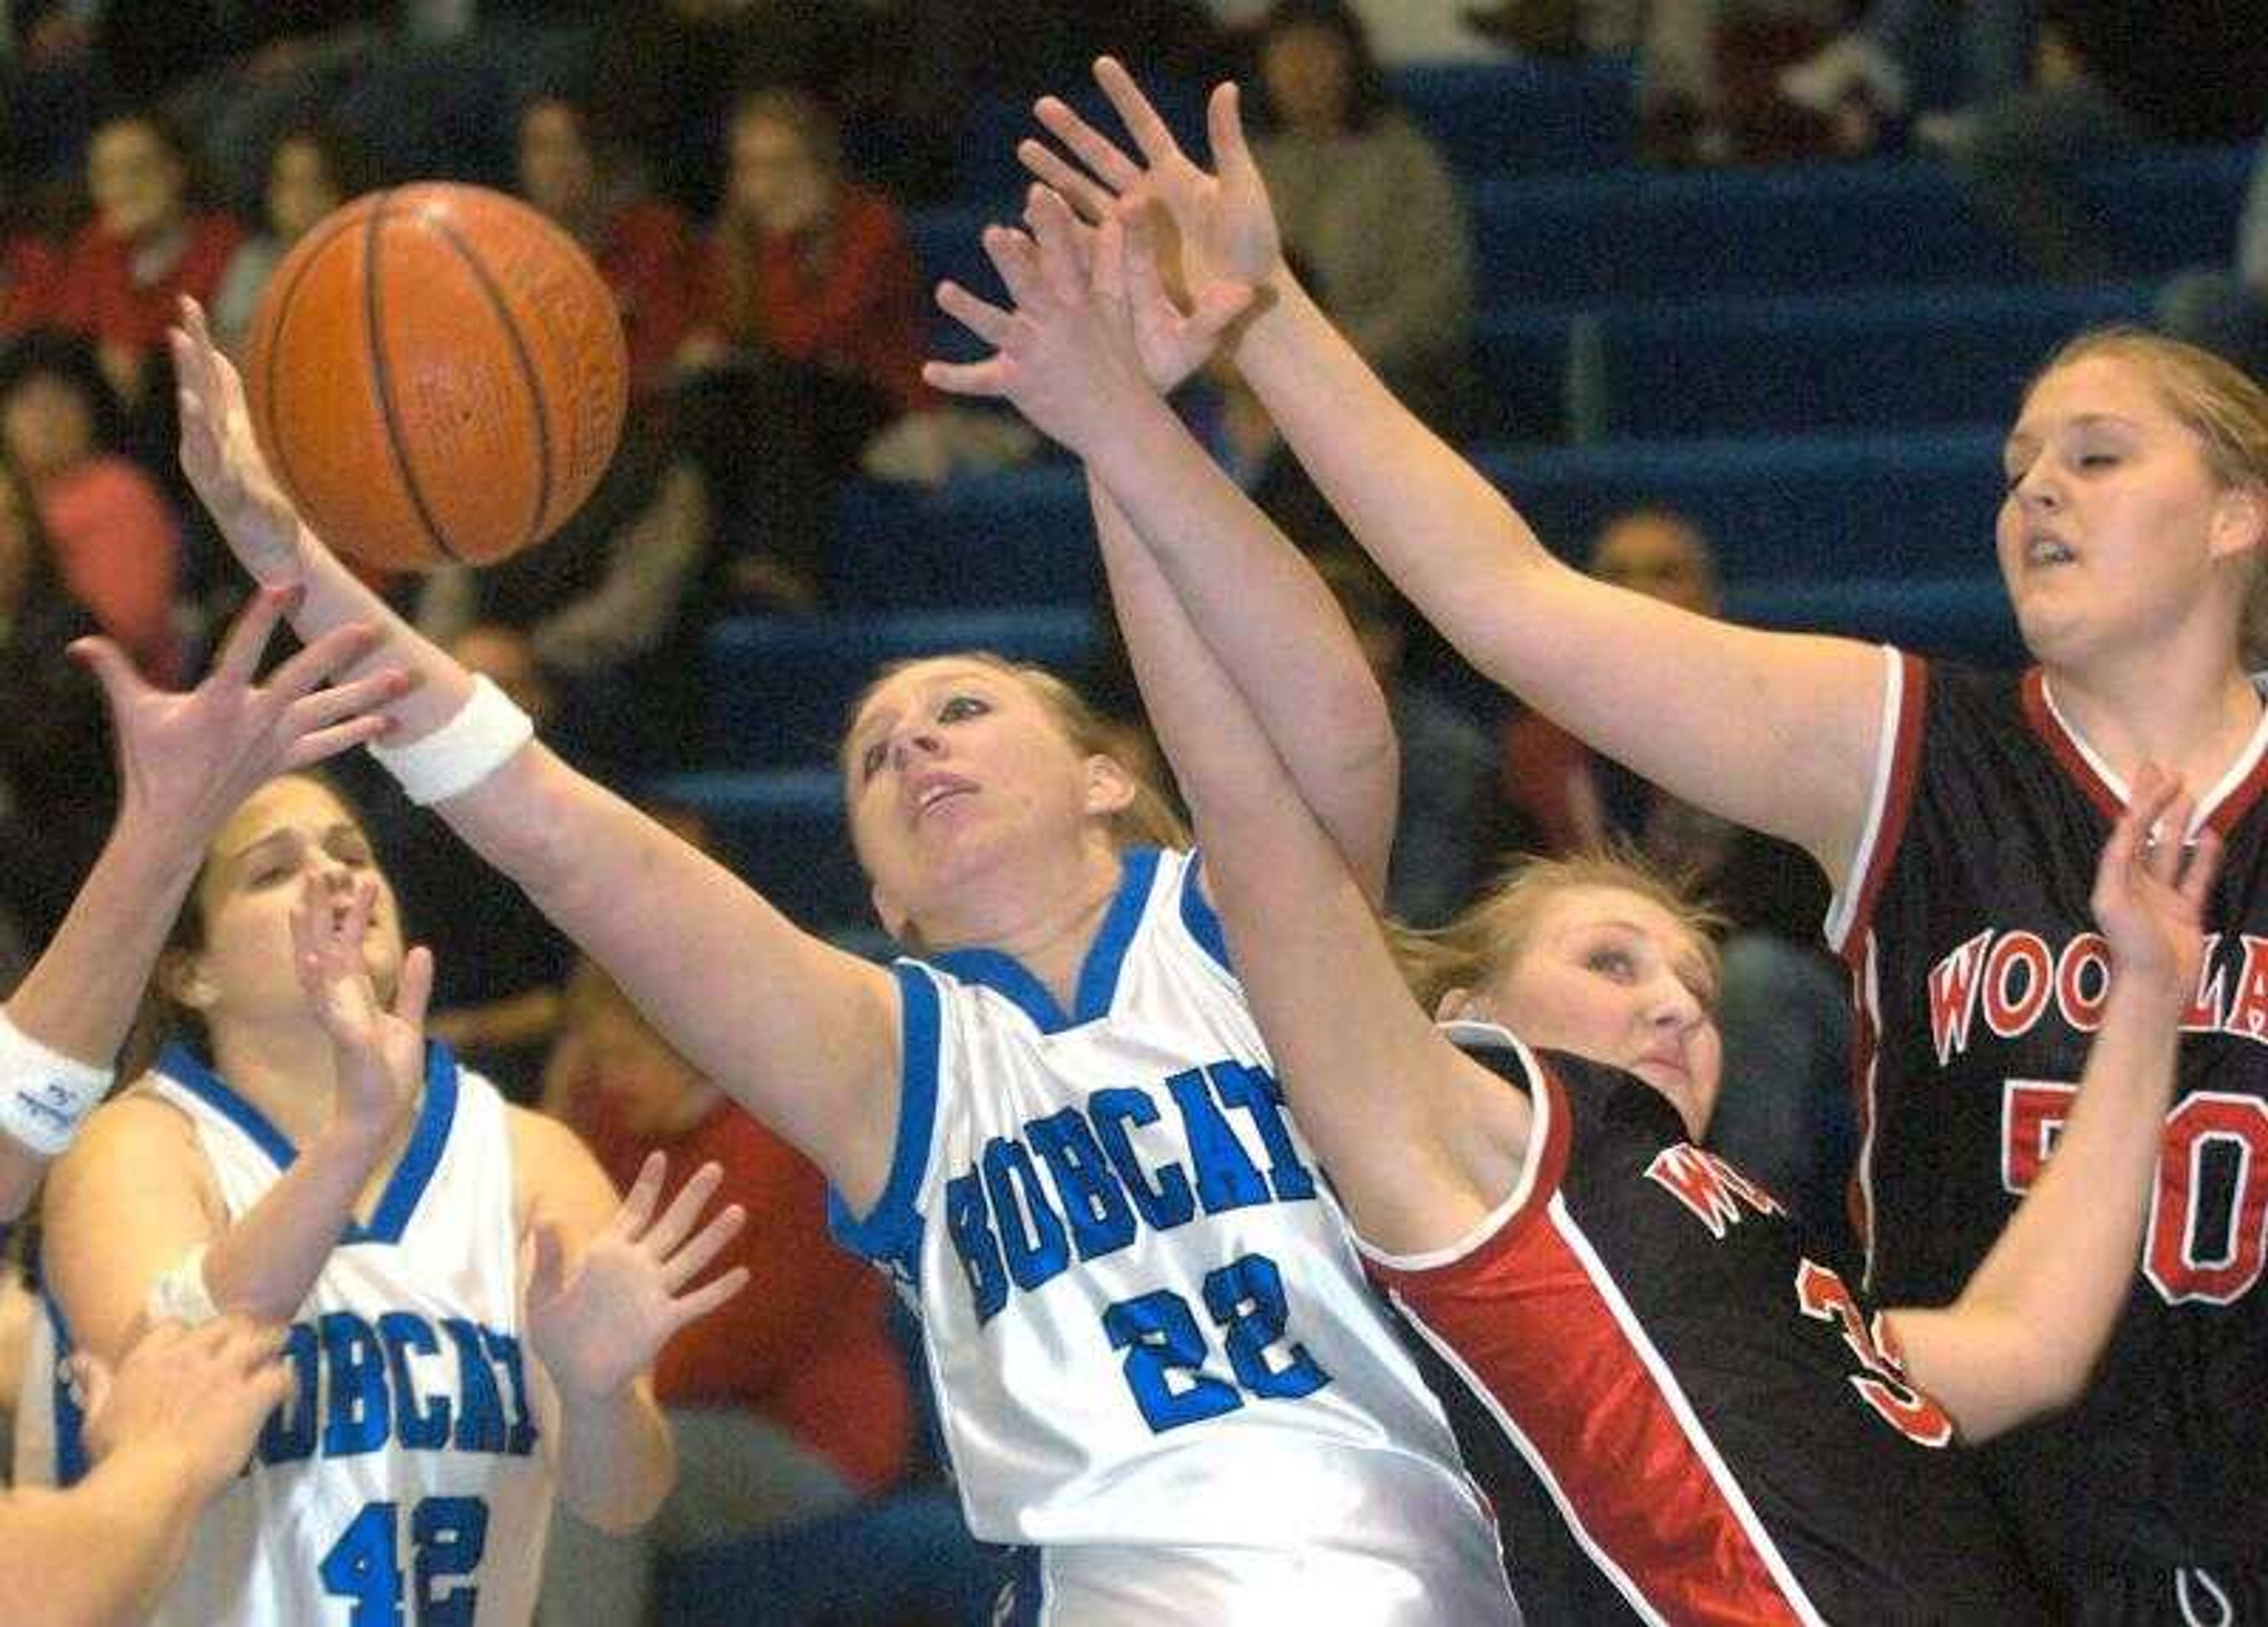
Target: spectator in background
[(1878, 70), (2226, 310), (1448, 797), (790, 1403), (57, 786), (807, 344), (148, 245), (116, 542), (640, 244), (1785, 1012), (1367, 204), (312, 169)]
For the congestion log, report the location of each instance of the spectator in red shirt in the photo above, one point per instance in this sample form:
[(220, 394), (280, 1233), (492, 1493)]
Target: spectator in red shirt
[(641, 246), (146, 247), (788, 1404), (809, 335), (116, 542)]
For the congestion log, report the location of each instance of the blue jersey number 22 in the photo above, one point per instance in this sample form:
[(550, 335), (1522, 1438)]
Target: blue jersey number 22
[(446, 1536), (1166, 1349)]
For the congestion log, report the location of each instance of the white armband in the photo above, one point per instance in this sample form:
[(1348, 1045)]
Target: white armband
[(44, 1093), (180, 1294), (461, 752)]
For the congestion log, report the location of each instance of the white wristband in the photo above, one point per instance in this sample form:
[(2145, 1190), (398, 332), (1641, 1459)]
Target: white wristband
[(461, 752), (44, 1093), (180, 1294)]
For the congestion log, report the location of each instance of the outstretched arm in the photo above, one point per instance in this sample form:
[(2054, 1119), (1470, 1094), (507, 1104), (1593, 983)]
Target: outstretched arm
[(186, 760), (1775, 731), (1415, 1143), (2026, 1329), (801, 1035), (1092, 341)]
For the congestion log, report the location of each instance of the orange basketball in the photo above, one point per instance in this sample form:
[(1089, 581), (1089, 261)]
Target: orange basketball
[(436, 372)]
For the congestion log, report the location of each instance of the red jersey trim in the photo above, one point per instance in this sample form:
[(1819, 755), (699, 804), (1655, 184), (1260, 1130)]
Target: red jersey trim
[(1541, 1175), (1550, 1347), (1905, 697), (2223, 805)]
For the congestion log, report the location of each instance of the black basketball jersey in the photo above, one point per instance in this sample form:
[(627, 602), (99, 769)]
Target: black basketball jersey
[(1979, 976), (1723, 1426)]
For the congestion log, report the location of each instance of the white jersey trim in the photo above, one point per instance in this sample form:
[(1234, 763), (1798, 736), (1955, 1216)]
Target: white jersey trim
[(1844, 906), (1543, 1102)]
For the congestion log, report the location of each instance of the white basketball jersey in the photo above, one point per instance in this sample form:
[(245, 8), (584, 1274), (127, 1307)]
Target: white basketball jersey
[(1156, 1356), (403, 1482)]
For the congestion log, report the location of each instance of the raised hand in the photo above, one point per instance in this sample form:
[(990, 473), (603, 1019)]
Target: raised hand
[(380, 1051), (1225, 227), (1090, 331), (222, 457), (597, 1320), (199, 1393), (187, 759), (2150, 886)]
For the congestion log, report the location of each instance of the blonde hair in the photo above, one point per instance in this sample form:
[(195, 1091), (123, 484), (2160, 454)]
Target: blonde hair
[(1148, 821), (1496, 929), (2216, 402)]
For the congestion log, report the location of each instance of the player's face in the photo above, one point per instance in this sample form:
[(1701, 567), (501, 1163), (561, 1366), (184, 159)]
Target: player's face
[(47, 424), (285, 832), (1614, 976), (2106, 536), (953, 766), (1308, 76), (300, 189), (135, 180)]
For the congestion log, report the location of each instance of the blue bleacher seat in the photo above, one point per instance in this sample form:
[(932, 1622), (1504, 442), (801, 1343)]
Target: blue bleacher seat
[(1018, 537), (1781, 507), (1523, 118), (1898, 359), (784, 830), (781, 687)]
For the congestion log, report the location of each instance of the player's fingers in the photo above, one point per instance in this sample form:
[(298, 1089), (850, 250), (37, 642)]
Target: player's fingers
[(636, 1210), (1017, 259), (705, 1298), (1143, 123), (2204, 865), (703, 1247), (678, 1220), (114, 671), (1090, 146), (320, 745), (362, 695), (1052, 233), (981, 317), (413, 987), (987, 378), (1232, 154), (331, 651), (1090, 197)]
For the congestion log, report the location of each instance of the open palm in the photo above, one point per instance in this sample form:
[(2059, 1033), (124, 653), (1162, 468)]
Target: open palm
[(380, 1050), (1225, 226), (597, 1320), (2150, 886)]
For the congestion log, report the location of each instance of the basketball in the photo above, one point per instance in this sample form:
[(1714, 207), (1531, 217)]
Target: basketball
[(435, 374)]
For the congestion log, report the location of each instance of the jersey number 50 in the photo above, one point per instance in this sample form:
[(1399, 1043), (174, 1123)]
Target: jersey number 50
[(2206, 1240)]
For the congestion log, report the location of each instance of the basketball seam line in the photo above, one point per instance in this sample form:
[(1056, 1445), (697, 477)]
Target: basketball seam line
[(528, 375), (382, 377), (273, 358)]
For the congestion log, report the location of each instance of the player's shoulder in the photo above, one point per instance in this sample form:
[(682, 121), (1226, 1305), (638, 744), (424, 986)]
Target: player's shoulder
[(137, 1137)]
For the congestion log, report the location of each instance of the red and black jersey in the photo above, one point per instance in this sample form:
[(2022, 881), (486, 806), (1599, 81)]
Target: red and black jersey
[(1719, 1419), (1980, 977)]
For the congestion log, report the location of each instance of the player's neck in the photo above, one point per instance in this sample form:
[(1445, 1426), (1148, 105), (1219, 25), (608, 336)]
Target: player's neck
[(287, 1071), (1045, 917), (2195, 718)]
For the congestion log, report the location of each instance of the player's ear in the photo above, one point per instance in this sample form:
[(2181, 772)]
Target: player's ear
[(182, 979)]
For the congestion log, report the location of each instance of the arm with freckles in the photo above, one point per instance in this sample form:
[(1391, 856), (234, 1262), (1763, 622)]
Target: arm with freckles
[(1092, 341), (2027, 1328), (801, 1033), (1772, 731)]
